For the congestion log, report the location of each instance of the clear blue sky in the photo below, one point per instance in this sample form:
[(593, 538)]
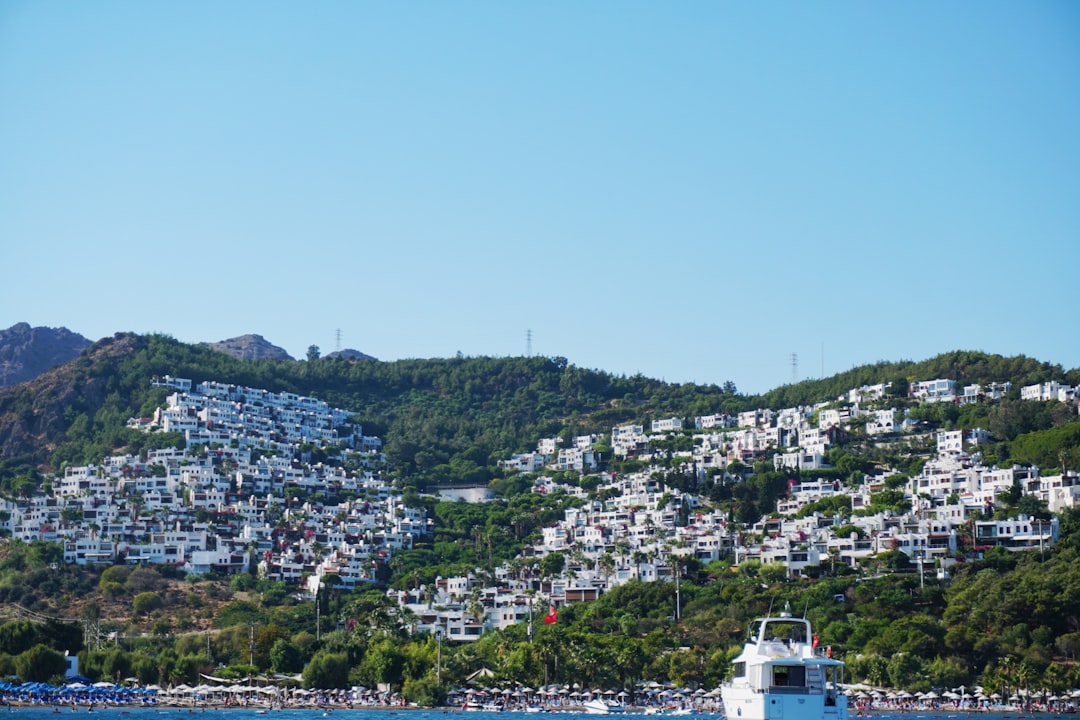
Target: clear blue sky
[(690, 190)]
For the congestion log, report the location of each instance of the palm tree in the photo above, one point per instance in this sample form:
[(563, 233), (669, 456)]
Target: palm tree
[(408, 620), (476, 606), (1004, 675), (607, 566), (1024, 673)]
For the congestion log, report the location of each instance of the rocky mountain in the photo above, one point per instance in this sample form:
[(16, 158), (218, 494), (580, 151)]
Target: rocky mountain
[(26, 352), (250, 347), (350, 354)]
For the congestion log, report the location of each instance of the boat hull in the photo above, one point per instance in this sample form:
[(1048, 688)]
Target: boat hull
[(599, 707), (746, 704)]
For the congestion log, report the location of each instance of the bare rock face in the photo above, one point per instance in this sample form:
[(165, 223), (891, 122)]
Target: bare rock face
[(250, 347), (26, 352), (350, 354)]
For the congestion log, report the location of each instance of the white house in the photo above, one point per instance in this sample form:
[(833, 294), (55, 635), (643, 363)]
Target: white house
[(940, 390), (672, 424), (950, 441), (1052, 390), (1020, 533), (707, 422), (881, 422), (798, 460)]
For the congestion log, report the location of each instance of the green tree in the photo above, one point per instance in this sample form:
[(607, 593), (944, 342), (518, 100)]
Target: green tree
[(39, 664), (18, 636), (113, 580), (907, 671), (425, 691), (552, 564), (265, 638), (146, 602), (382, 663), (116, 663), (285, 657), (327, 670)]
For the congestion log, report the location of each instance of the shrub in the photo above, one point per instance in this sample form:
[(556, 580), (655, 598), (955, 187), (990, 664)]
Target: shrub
[(146, 602)]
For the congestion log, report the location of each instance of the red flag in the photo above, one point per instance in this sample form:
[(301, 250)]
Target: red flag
[(814, 644), (552, 617)]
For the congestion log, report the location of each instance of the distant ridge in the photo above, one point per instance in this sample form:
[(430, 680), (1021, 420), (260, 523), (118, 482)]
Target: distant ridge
[(250, 347), (350, 354), (26, 352)]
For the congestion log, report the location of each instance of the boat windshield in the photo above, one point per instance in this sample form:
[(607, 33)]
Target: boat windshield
[(791, 631)]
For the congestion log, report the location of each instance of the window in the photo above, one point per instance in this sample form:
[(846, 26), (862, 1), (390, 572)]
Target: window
[(789, 676)]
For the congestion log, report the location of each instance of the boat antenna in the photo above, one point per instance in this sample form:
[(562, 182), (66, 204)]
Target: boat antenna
[(806, 607), (771, 601)]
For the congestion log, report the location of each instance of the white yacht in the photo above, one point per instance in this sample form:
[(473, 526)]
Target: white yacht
[(783, 675), (599, 706)]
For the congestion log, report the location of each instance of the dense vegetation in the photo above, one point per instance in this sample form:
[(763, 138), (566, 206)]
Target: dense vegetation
[(450, 420)]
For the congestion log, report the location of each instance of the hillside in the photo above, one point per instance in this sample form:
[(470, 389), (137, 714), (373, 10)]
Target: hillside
[(37, 416), (427, 411), (440, 419), (26, 352), (451, 420)]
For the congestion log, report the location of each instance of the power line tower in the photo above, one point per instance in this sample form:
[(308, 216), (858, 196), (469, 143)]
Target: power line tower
[(794, 368), (338, 334), (528, 343)]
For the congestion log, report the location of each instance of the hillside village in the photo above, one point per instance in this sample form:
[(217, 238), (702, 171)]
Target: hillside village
[(243, 497)]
